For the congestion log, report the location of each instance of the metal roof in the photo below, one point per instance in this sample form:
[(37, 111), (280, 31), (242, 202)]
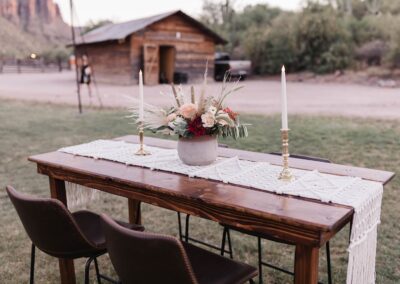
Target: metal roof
[(115, 32)]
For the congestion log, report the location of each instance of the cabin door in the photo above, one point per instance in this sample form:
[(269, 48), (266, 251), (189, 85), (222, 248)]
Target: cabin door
[(167, 64), (151, 64)]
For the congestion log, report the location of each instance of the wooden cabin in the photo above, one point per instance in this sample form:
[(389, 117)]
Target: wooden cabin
[(166, 46)]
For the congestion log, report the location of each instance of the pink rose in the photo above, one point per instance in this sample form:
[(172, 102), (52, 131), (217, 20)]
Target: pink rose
[(188, 111)]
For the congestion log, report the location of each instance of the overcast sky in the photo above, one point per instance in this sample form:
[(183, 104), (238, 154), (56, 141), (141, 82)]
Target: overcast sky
[(122, 10)]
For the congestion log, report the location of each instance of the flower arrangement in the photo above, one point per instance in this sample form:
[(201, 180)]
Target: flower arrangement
[(189, 117)]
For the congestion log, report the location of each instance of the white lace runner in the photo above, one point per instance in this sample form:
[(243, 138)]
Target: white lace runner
[(364, 196)]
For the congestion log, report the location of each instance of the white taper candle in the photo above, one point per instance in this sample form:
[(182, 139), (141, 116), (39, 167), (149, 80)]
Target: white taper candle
[(141, 106), (284, 100)]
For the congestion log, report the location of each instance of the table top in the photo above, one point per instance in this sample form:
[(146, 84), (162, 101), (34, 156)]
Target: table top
[(287, 217), (329, 168)]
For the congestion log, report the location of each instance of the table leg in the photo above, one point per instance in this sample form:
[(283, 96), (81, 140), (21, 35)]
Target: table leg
[(67, 270), (135, 216), (306, 265)]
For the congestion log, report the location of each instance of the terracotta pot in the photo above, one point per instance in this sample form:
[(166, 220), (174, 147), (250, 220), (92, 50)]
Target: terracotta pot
[(198, 151)]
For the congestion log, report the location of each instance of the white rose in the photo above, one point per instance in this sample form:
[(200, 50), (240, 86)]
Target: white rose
[(171, 117), (208, 119), (212, 109)]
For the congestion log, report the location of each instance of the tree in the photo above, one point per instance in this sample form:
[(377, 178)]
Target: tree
[(323, 37), (234, 25), (92, 25), (269, 48)]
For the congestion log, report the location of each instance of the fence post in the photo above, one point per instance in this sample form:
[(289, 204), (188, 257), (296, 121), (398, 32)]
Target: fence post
[(59, 61), (19, 65)]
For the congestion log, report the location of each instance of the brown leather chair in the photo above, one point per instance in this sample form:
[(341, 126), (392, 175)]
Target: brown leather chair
[(57, 232), (144, 258)]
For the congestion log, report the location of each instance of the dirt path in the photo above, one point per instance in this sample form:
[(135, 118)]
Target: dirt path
[(258, 96)]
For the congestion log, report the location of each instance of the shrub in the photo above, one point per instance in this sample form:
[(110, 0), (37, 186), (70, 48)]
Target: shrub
[(338, 57), (313, 40), (253, 42), (372, 52), (393, 56), (371, 28), (56, 53), (273, 47), (321, 37)]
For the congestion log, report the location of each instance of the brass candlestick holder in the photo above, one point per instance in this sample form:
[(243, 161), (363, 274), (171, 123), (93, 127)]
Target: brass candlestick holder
[(141, 151), (285, 175)]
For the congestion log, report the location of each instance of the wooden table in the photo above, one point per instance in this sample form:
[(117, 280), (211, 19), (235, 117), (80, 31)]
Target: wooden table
[(306, 223)]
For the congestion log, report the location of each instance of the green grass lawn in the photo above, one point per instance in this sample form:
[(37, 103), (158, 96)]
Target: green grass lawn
[(27, 129)]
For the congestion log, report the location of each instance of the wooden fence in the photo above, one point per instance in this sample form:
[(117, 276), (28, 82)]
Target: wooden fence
[(30, 66)]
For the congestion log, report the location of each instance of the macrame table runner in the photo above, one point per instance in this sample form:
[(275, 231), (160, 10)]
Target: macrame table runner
[(363, 195)]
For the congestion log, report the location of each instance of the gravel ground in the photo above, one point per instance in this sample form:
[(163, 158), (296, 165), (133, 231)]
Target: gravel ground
[(258, 96)]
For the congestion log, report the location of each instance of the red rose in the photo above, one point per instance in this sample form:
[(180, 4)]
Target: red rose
[(231, 113), (196, 127)]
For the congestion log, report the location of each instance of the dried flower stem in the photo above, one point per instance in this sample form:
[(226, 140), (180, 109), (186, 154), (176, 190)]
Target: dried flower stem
[(192, 95), (178, 103), (203, 91)]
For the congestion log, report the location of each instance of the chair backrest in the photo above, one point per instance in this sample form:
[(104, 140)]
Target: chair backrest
[(49, 225), (145, 258)]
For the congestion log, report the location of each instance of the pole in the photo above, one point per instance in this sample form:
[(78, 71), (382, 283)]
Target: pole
[(78, 87)]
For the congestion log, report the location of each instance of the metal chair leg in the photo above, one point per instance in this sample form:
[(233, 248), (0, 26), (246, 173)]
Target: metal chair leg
[(187, 228), (328, 260), (260, 276), (180, 226), (32, 272), (87, 268), (96, 266), (229, 244), (224, 233)]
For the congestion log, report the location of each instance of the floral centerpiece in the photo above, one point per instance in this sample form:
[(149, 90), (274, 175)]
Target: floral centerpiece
[(198, 121)]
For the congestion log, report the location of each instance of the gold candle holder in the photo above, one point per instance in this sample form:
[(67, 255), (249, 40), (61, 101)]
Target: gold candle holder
[(141, 151), (285, 175)]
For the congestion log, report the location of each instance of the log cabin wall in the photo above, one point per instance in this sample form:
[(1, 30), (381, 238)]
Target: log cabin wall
[(109, 61), (192, 47), (183, 45)]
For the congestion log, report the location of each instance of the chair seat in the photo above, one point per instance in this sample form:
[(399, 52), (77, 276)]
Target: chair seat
[(211, 268), (90, 224)]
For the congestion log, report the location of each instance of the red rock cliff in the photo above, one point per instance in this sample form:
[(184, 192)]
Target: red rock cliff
[(29, 13)]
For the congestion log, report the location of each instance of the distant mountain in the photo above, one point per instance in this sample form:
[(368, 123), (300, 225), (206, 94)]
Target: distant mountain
[(28, 26)]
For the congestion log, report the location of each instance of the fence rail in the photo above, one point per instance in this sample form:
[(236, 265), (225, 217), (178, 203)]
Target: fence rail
[(32, 67)]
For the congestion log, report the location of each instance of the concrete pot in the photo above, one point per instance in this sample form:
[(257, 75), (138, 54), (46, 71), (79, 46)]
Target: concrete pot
[(198, 151)]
